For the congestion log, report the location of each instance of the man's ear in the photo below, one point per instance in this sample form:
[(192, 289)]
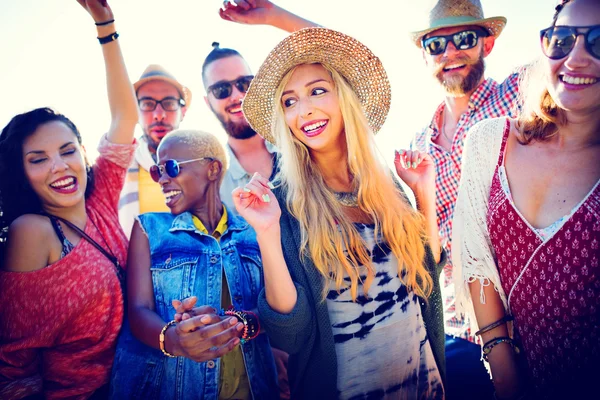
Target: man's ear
[(183, 111), (214, 170), (488, 45), (206, 101)]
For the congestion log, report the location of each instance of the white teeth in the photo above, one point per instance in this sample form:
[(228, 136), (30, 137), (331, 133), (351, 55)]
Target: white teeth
[(171, 194), (67, 183), (454, 66), (314, 126), (235, 110), (578, 81)]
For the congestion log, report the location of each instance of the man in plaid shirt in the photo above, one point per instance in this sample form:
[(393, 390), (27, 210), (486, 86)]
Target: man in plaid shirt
[(454, 46)]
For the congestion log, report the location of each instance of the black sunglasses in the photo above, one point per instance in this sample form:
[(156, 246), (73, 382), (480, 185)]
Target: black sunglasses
[(168, 103), (171, 167), (222, 90), (462, 40), (558, 41)]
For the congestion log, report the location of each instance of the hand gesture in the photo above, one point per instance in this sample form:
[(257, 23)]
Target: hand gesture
[(252, 12), (185, 309), (98, 9), (257, 205), (416, 169), (200, 333)]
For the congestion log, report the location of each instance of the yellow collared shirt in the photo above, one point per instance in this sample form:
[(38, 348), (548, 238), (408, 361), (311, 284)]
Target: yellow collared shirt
[(233, 382)]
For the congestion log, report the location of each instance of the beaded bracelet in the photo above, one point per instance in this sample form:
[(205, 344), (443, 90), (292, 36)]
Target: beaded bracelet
[(161, 339), (250, 321), (489, 346), (493, 325)]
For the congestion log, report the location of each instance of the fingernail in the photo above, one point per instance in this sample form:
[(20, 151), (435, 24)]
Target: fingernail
[(414, 165), (233, 321), (239, 327), (270, 185), (266, 198), (247, 190), (205, 319)]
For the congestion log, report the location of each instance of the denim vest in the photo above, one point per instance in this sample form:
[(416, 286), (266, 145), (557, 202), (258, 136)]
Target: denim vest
[(184, 263)]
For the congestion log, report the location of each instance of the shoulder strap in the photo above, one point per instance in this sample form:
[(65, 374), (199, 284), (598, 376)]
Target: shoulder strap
[(57, 229), (504, 140), (71, 225)]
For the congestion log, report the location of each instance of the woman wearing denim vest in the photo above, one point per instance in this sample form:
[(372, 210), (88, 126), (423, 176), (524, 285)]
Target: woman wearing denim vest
[(173, 256)]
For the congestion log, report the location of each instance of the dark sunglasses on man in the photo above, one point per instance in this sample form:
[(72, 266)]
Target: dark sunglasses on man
[(222, 89), (171, 167), (558, 41), (462, 40), (167, 104)]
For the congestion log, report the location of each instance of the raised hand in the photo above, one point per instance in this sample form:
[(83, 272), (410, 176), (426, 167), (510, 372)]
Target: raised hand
[(416, 169), (98, 9), (252, 12), (257, 205)]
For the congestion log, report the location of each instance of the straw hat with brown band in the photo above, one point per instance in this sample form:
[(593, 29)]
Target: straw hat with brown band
[(450, 13), (352, 59), (154, 72)]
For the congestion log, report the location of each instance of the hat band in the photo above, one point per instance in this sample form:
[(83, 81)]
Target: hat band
[(457, 20), (156, 73)]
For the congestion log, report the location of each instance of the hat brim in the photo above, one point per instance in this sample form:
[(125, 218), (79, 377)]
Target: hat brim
[(185, 93), (342, 53), (495, 25)]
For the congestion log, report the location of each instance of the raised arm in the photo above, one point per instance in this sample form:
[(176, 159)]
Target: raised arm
[(417, 170), (262, 12), (121, 98), (257, 205)]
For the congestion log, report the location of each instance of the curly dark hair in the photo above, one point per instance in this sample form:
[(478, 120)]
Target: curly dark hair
[(16, 195)]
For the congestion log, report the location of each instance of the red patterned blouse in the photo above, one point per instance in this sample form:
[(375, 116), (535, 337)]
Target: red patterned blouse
[(59, 324), (553, 287)]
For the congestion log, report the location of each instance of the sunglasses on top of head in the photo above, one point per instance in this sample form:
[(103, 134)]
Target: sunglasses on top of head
[(171, 167), (462, 40), (222, 90), (558, 41)]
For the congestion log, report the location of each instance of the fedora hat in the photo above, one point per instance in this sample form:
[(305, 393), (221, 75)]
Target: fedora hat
[(449, 13), (155, 72), (342, 53)]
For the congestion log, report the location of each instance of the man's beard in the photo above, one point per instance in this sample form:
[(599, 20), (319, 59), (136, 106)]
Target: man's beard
[(457, 86), (236, 131)]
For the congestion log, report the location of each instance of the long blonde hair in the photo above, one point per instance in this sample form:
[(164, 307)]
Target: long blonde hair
[(325, 230)]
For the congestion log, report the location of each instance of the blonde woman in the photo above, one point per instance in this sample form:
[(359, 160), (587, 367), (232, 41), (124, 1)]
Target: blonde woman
[(351, 289)]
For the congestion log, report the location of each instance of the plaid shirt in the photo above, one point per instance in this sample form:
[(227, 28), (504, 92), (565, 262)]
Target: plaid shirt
[(489, 100)]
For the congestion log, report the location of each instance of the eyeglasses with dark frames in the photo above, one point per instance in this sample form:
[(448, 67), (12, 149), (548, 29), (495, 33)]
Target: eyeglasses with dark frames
[(167, 104), (223, 89), (462, 40), (558, 41), (171, 167)]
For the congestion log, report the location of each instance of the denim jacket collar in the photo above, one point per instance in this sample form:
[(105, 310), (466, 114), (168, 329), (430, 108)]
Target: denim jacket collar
[(184, 222)]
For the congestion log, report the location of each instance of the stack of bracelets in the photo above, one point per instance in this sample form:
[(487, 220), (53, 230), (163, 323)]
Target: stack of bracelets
[(250, 321), (248, 318), (489, 345)]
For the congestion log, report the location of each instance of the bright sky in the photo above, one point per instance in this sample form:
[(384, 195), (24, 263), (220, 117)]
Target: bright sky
[(50, 55)]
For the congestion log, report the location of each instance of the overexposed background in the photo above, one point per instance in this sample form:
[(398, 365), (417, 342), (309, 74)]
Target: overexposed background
[(50, 55)]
